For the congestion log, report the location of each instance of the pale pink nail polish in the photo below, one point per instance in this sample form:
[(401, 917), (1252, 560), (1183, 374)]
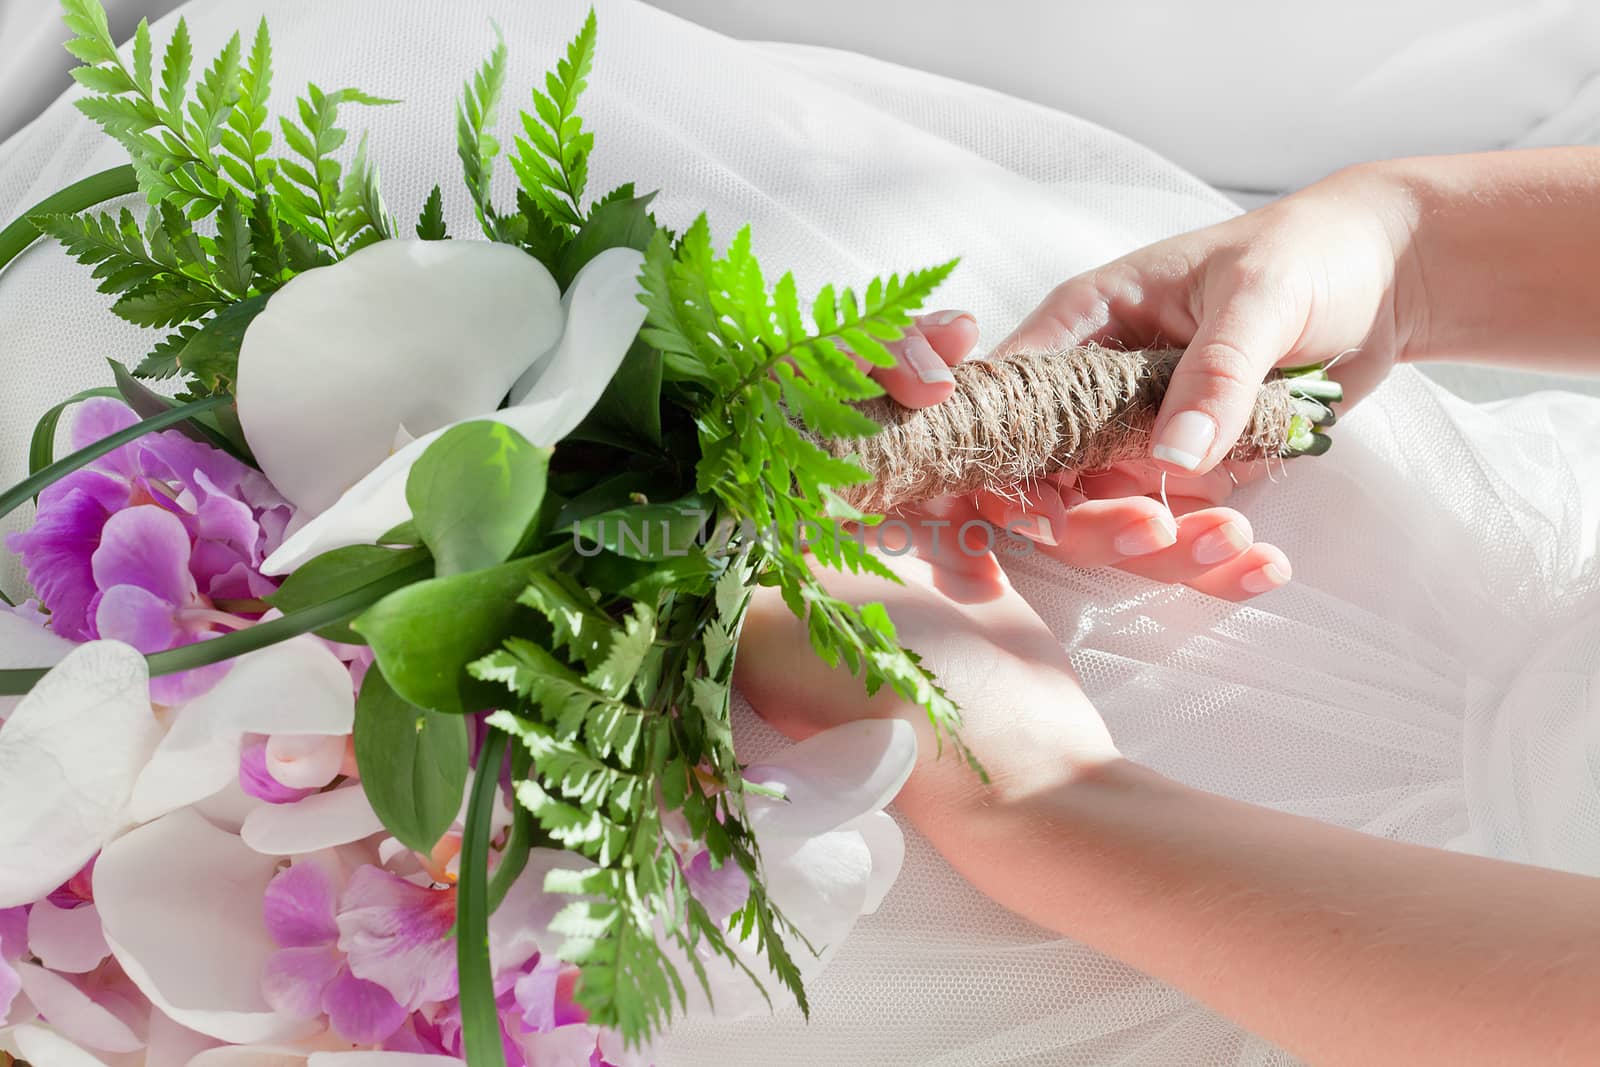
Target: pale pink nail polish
[(946, 318), (1143, 538), (1222, 543), (1031, 524), (925, 361), (1264, 579), (1185, 439)]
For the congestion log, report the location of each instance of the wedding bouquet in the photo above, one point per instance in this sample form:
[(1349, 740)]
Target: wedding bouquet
[(376, 696)]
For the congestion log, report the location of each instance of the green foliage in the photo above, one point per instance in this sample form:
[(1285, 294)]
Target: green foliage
[(201, 149), (475, 140), (413, 763), (552, 160), (430, 224), (475, 493)]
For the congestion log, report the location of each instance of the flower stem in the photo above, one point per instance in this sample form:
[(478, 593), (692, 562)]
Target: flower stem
[(252, 638), (480, 1019), (79, 196), (33, 485)]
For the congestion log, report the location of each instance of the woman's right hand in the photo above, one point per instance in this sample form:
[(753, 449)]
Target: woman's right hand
[(1317, 276)]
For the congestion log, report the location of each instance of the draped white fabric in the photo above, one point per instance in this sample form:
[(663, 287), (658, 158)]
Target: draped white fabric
[(1433, 673)]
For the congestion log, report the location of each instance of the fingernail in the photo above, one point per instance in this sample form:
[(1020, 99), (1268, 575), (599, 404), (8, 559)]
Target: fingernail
[(1222, 543), (1143, 538), (1185, 439), (925, 361), (945, 318), (1264, 579), (1032, 525)]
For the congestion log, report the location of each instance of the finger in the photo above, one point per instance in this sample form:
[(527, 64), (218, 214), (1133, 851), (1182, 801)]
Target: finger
[(1214, 388), (1072, 312), (919, 377), (953, 334), (1207, 538), (1260, 569), (1090, 533), (1144, 479)]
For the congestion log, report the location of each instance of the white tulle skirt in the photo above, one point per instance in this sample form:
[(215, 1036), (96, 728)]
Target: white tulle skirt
[(1432, 674)]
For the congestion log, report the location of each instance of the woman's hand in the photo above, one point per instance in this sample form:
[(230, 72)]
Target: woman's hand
[(1315, 277)]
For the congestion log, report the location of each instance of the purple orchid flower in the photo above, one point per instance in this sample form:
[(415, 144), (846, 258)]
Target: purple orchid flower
[(309, 976), (141, 543)]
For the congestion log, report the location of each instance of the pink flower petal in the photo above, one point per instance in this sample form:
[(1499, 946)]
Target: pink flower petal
[(362, 1012), (296, 978), (395, 933), (42, 1045), (148, 547), (68, 940), (300, 906), (137, 617)]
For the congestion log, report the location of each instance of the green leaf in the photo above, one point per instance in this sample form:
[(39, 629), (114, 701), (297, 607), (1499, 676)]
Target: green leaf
[(413, 764), (42, 450), (475, 493), (175, 66), (551, 161), (623, 222), (430, 226), (426, 634), (344, 570), (480, 1017), (652, 532), (628, 413), (211, 355), (234, 269), (475, 140)]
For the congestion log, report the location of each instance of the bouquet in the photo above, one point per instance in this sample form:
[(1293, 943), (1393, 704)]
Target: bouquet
[(376, 696)]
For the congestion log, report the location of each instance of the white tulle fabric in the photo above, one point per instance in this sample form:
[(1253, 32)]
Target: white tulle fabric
[(1433, 673)]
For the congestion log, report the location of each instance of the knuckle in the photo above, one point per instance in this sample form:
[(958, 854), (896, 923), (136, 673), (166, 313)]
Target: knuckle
[(1223, 367)]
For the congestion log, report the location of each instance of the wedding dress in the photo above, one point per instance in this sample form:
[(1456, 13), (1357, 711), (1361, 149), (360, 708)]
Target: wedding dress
[(1432, 674)]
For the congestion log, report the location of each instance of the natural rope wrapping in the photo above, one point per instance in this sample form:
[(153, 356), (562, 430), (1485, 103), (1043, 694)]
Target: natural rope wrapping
[(1015, 418)]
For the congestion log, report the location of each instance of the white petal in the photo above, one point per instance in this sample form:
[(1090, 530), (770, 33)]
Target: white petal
[(171, 1045), (520, 926), (304, 761), (39, 1045), (23, 644), (414, 333), (181, 903), (380, 1059), (297, 687), (66, 939), (821, 887), (323, 820), (69, 755), (74, 1014), (888, 847), (250, 1056), (603, 317), (832, 777)]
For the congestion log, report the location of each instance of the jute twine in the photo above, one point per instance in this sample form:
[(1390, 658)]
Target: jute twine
[(1014, 419)]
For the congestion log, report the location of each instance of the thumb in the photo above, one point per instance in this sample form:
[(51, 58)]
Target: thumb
[(1213, 390)]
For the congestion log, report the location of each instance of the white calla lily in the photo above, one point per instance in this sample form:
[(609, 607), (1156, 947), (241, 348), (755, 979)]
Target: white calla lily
[(418, 334), (345, 475), (298, 687), (69, 756)]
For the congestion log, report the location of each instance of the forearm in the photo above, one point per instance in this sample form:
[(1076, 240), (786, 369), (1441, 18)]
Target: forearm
[(1342, 947), (1498, 254)]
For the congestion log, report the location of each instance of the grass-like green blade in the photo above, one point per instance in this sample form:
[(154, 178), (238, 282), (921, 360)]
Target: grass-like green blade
[(251, 638), (35, 483), (480, 1020), (42, 450), (79, 196)]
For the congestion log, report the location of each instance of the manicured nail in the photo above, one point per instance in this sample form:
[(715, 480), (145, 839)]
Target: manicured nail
[(1222, 543), (925, 361), (1143, 538), (1185, 439), (1264, 579), (945, 318), (1031, 524)]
